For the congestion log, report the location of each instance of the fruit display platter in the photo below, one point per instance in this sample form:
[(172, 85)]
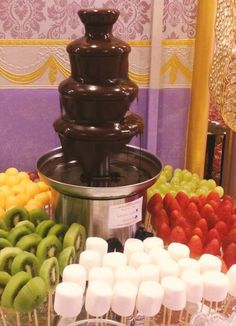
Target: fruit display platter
[(187, 221)]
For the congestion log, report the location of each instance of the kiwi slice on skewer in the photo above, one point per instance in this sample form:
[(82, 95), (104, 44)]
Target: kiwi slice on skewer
[(44, 227), (31, 295), (38, 215), (59, 230), (3, 225), (66, 257), (12, 288), (15, 215), (26, 224), (48, 247), (17, 233), (29, 242), (4, 279), (49, 271), (3, 233), (75, 236), (26, 262), (4, 243), (7, 255)]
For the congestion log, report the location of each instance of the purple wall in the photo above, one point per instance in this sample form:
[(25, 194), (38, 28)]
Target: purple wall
[(26, 118)]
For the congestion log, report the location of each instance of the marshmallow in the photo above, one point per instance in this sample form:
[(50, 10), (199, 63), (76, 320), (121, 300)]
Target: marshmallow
[(209, 262), (127, 273), (68, 300), (90, 259), (152, 243), (232, 280), (101, 273), (174, 293), (168, 267), (75, 273), (114, 260), (132, 245), (158, 254), (137, 259), (96, 243), (124, 297), (188, 264), (178, 250), (149, 299), (215, 286), (98, 298), (194, 285), (148, 272)]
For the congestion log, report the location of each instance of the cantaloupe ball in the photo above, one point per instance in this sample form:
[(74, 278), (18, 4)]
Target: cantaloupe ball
[(22, 198), (11, 201), (2, 199), (23, 176), (3, 178), (42, 186), (32, 189), (17, 189), (43, 198), (32, 204), (2, 212), (5, 191), (12, 180), (11, 171)]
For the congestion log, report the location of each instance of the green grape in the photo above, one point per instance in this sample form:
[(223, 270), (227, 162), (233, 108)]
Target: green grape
[(187, 176), (177, 173), (163, 188), (161, 180), (220, 191), (173, 192), (168, 170), (175, 180), (203, 183), (211, 184), (202, 191)]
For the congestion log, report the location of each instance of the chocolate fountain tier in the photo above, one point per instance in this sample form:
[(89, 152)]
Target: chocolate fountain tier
[(96, 103)]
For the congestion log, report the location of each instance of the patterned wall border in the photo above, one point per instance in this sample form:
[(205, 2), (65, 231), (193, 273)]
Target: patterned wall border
[(43, 63)]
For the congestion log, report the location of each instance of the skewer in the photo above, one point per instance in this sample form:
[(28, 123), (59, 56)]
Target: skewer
[(203, 303), (210, 307), (146, 321), (49, 307), (3, 317), (169, 317), (29, 317), (164, 316), (186, 317), (181, 315), (227, 305), (36, 318), (17, 318)]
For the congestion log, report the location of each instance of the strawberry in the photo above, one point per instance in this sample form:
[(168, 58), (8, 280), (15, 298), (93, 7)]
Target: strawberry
[(156, 208), (214, 205), (202, 199), (195, 246), (197, 201), (224, 267), (182, 199), (178, 235), (222, 229), (213, 234), (190, 212), (170, 203), (202, 224), (212, 247), (232, 220), (198, 231), (231, 237), (208, 213), (159, 218), (175, 215), (156, 198), (213, 195), (163, 232), (229, 255), (225, 211), (167, 199)]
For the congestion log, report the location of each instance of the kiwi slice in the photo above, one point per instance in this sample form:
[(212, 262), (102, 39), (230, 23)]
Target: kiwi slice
[(44, 227), (49, 271), (38, 215), (3, 233), (12, 288), (66, 257), (4, 243), (7, 255), (29, 242), (31, 295), (4, 279), (17, 233), (15, 215), (48, 247), (26, 262), (3, 225), (75, 236), (59, 230), (26, 224)]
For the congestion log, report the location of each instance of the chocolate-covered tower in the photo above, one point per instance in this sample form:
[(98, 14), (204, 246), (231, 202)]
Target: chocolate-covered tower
[(95, 118)]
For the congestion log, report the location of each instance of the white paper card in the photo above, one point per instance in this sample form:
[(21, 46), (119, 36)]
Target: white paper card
[(124, 215)]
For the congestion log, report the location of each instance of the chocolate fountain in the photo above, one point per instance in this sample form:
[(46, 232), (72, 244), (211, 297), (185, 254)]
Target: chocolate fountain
[(96, 178)]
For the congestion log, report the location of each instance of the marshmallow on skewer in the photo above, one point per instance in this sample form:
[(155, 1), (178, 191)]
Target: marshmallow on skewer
[(168, 267), (209, 262), (132, 245), (152, 243), (114, 260), (215, 286), (231, 274), (98, 298), (194, 285), (101, 273), (174, 293), (127, 273), (178, 251), (96, 243), (90, 259), (149, 299), (75, 273), (188, 264), (124, 298), (148, 272), (158, 254), (68, 299), (137, 259)]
